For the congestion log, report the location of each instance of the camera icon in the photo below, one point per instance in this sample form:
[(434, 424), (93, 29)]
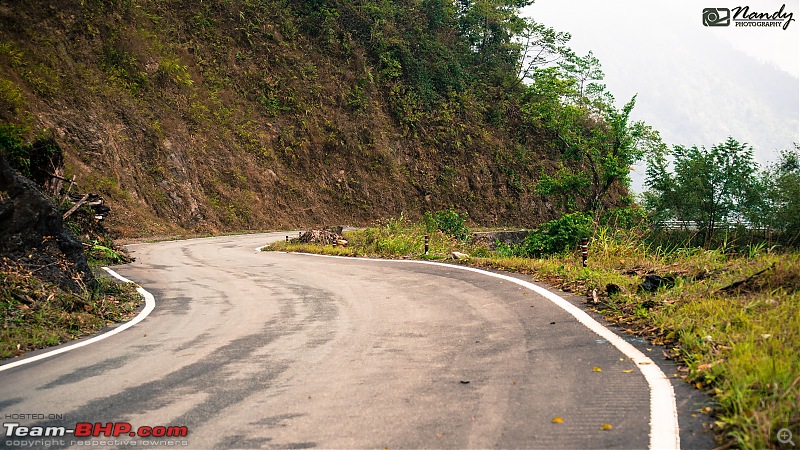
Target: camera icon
[(716, 17)]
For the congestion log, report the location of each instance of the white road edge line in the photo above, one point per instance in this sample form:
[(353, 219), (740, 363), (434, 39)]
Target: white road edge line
[(150, 304), (664, 431)]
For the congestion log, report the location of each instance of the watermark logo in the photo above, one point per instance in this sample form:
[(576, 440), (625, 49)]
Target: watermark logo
[(716, 17), (743, 16), (111, 434)]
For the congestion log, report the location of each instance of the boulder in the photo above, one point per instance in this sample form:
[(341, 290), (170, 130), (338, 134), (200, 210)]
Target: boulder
[(652, 283), (458, 256), (32, 233)]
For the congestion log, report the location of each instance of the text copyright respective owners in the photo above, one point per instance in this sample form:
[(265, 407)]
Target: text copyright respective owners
[(17, 435)]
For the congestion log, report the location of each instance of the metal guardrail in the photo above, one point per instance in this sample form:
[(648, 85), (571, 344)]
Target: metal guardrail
[(688, 225)]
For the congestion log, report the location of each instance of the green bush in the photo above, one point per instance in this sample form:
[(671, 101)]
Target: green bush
[(11, 98), (34, 159), (449, 222), (557, 236), (504, 250), (14, 147)]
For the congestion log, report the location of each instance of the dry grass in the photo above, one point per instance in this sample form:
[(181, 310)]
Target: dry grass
[(36, 314)]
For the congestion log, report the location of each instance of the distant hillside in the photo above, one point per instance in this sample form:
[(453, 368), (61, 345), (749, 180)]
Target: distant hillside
[(252, 114)]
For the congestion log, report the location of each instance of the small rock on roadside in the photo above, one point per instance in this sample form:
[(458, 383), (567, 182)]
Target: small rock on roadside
[(458, 256)]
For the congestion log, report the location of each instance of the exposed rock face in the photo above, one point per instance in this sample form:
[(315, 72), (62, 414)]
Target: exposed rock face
[(32, 233)]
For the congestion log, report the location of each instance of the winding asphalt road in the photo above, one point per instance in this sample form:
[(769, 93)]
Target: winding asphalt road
[(250, 349)]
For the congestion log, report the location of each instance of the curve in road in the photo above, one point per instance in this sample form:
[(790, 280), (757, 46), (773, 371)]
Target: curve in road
[(663, 410), (149, 306), (252, 350)]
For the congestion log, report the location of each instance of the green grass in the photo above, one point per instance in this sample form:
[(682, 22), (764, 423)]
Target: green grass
[(741, 345), (391, 238), (35, 314)]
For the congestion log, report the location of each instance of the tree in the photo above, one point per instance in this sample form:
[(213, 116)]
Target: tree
[(586, 72), (439, 13), (707, 187), (540, 46), (779, 195), (490, 27), (565, 184), (598, 142)]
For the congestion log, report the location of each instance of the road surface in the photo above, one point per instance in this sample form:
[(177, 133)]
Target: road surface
[(251, 349)]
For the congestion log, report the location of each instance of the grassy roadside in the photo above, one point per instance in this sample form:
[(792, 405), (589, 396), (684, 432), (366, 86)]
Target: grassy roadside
[(731, 319), (36, 314)]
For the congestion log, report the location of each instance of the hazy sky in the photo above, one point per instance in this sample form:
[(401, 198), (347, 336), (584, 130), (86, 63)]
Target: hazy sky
[(696, 84)]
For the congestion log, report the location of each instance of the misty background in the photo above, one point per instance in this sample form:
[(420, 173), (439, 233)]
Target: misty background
[(697, 85)]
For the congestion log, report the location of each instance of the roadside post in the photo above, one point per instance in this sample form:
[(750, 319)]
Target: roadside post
[(585, 251)]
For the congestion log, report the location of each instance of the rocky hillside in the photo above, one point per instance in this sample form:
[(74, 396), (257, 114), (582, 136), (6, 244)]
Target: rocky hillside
[(215, 116), (32, 234)]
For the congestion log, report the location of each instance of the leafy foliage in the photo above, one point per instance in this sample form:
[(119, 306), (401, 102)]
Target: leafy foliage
[(541, 46), (707, 187), (11, 98), (597, 142), (123, 68), (564, 184), (12, 144), (449, 222), (36, 159), (490, 28), (775, 203), (557, 236), (629, 217)]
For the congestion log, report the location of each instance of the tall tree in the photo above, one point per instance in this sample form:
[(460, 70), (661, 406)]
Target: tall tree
[(598, 142), (586, 73), (540, 46), (778, 204), (490, 27), (707, 187)]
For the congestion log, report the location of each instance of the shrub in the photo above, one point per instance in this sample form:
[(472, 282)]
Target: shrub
[(558, 235), (34, 160), (449, 222), (14, 147)]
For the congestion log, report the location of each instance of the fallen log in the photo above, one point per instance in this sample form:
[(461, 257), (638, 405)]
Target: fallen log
[(77, 205)]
